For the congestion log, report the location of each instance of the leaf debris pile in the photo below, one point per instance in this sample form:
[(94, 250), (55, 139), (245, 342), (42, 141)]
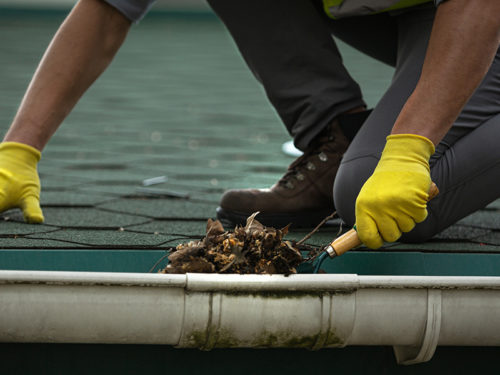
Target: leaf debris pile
[(253, 248)]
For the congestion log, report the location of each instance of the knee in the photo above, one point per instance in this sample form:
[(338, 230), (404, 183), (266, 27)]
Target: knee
[(350, 178)]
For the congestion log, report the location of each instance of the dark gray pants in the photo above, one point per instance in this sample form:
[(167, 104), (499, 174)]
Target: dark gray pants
[(288, 46)]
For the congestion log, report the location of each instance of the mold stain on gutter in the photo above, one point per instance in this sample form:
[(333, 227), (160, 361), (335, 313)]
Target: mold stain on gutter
[(215, 336)]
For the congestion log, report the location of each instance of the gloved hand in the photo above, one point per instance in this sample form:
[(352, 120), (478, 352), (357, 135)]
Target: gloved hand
[(395, 197), (19, 181)]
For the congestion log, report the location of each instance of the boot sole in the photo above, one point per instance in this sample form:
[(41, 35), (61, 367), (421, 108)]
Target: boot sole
[(308, 219)]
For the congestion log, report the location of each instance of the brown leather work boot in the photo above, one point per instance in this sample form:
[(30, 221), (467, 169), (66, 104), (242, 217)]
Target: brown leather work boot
[(303, 196)]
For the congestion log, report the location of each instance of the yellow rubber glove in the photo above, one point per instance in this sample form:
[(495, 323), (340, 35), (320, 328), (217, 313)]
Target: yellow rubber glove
[(395, 197), (19, 181)]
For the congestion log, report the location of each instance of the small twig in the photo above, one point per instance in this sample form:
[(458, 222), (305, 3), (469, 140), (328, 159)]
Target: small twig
[(239, 257), (313, 257), (340, 229), (158, 262), (227, 266), (309, 235)]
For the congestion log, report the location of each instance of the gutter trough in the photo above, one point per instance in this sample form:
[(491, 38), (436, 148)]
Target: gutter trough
[(414, 314)]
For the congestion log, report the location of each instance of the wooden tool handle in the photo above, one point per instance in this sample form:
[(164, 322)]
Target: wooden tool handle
[(350, 239)]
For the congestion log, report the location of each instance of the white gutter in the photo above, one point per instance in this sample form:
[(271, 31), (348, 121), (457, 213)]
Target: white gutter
[(413, 314)]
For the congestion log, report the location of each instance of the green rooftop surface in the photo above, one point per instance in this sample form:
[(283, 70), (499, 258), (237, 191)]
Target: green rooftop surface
[(178, 101)]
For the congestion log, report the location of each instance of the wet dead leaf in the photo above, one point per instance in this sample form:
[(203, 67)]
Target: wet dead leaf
[(253, 248)]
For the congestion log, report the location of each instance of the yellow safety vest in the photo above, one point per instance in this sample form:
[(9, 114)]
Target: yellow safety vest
[(348, 8)]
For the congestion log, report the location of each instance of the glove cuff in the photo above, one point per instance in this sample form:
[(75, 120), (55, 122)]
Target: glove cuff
[(410, 144), (21, 151)]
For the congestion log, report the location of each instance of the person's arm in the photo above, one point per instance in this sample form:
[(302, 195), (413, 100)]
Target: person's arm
[(463, 43), (464, 40), (80, 51)]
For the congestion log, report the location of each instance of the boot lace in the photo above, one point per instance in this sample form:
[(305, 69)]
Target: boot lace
[(305, 161)]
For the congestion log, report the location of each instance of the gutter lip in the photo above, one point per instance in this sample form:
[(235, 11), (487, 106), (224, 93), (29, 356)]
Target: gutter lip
[(70, 278), (430, 282), (250, 283)]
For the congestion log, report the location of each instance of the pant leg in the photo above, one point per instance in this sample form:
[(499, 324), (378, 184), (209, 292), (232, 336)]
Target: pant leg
[(375, 36), (288, 46), (466, 165)]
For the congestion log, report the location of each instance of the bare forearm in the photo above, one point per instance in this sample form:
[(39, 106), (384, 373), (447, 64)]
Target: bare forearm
[(80, 51), (464, 40)]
